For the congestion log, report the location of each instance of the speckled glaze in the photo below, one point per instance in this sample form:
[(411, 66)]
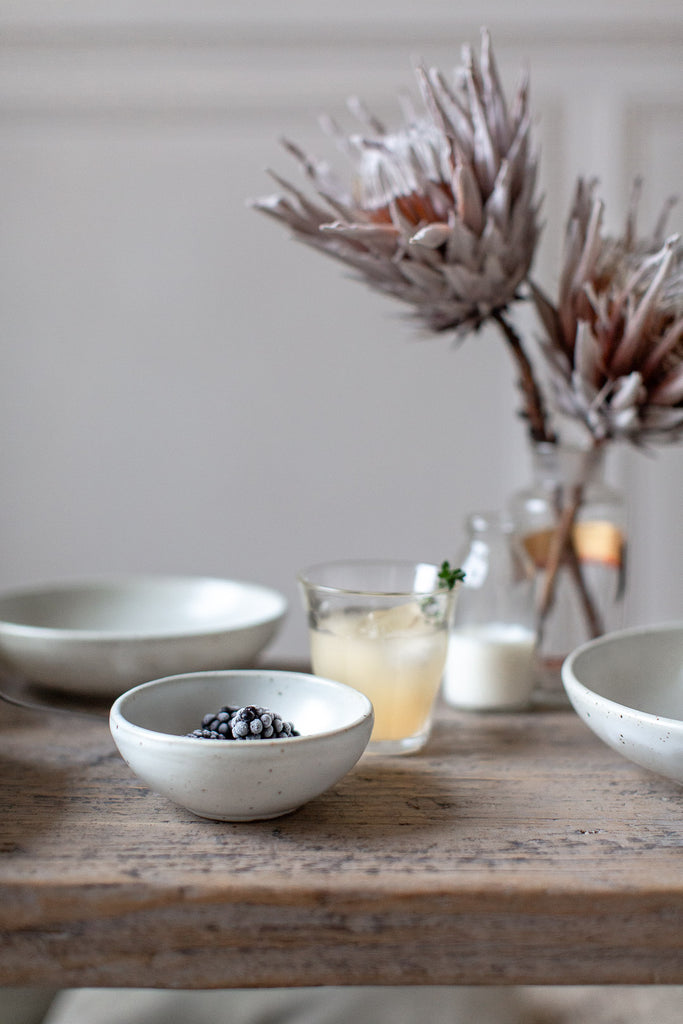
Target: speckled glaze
[(628, 688), (241, 781)]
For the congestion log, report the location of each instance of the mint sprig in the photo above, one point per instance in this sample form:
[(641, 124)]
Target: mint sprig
[(449, 577)]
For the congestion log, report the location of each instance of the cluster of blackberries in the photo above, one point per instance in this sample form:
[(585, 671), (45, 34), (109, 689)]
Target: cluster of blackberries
[(248, 723)]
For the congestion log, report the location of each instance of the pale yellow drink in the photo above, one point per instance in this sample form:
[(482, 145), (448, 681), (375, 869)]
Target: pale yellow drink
[(394, 656)]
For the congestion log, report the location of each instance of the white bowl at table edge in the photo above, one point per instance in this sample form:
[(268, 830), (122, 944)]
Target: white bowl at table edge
[(651, 735)]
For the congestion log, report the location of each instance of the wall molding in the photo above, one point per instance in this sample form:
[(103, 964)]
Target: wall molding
[(612, 21), (78, 59)]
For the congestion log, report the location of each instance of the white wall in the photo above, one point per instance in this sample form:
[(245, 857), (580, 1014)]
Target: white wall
[(186, 389)]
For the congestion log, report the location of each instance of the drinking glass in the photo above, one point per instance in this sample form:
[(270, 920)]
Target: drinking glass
[(382, 628)]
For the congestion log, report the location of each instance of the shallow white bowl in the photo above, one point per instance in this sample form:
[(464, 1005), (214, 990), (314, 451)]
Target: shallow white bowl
[(628, 688), (103, 636), (241, 780)]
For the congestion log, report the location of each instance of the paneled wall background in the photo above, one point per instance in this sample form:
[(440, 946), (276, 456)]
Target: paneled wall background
[(185, 389)]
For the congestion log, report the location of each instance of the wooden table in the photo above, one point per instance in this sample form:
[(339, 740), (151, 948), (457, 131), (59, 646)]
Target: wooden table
[(515, 849)]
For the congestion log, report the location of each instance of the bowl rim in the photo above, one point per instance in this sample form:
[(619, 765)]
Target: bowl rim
[(123, 581), (570, 680), (117, 718), (306, 578)]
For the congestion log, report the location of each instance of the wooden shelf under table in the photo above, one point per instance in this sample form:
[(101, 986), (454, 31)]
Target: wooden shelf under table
[(515, 849)]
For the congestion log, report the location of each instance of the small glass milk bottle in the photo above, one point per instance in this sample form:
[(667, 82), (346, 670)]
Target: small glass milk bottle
[(491, 655)]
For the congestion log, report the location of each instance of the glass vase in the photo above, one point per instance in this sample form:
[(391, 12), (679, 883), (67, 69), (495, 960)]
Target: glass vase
[(588, 594), (491, 653)]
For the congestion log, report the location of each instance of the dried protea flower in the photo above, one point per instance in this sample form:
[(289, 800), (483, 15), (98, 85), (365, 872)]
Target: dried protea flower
[(614, 342), (441, 213)]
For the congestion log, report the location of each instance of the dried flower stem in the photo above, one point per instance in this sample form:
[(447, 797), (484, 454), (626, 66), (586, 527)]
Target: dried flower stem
[(562, 547), (534, 407)]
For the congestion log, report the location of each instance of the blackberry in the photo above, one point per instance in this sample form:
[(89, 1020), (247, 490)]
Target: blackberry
[(219, 722), (247, 723)]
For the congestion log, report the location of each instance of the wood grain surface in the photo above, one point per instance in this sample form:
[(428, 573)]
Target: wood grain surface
[(515, 849)]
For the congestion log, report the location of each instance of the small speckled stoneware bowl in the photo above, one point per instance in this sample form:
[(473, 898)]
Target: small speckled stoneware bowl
[(230, 780), (627, 687)]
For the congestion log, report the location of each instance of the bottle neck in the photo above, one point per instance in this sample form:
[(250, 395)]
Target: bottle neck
[(490, 536), (555, 464), (485, 525)]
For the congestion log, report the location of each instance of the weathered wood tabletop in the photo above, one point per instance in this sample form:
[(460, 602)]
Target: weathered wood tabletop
[(515, 849)]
